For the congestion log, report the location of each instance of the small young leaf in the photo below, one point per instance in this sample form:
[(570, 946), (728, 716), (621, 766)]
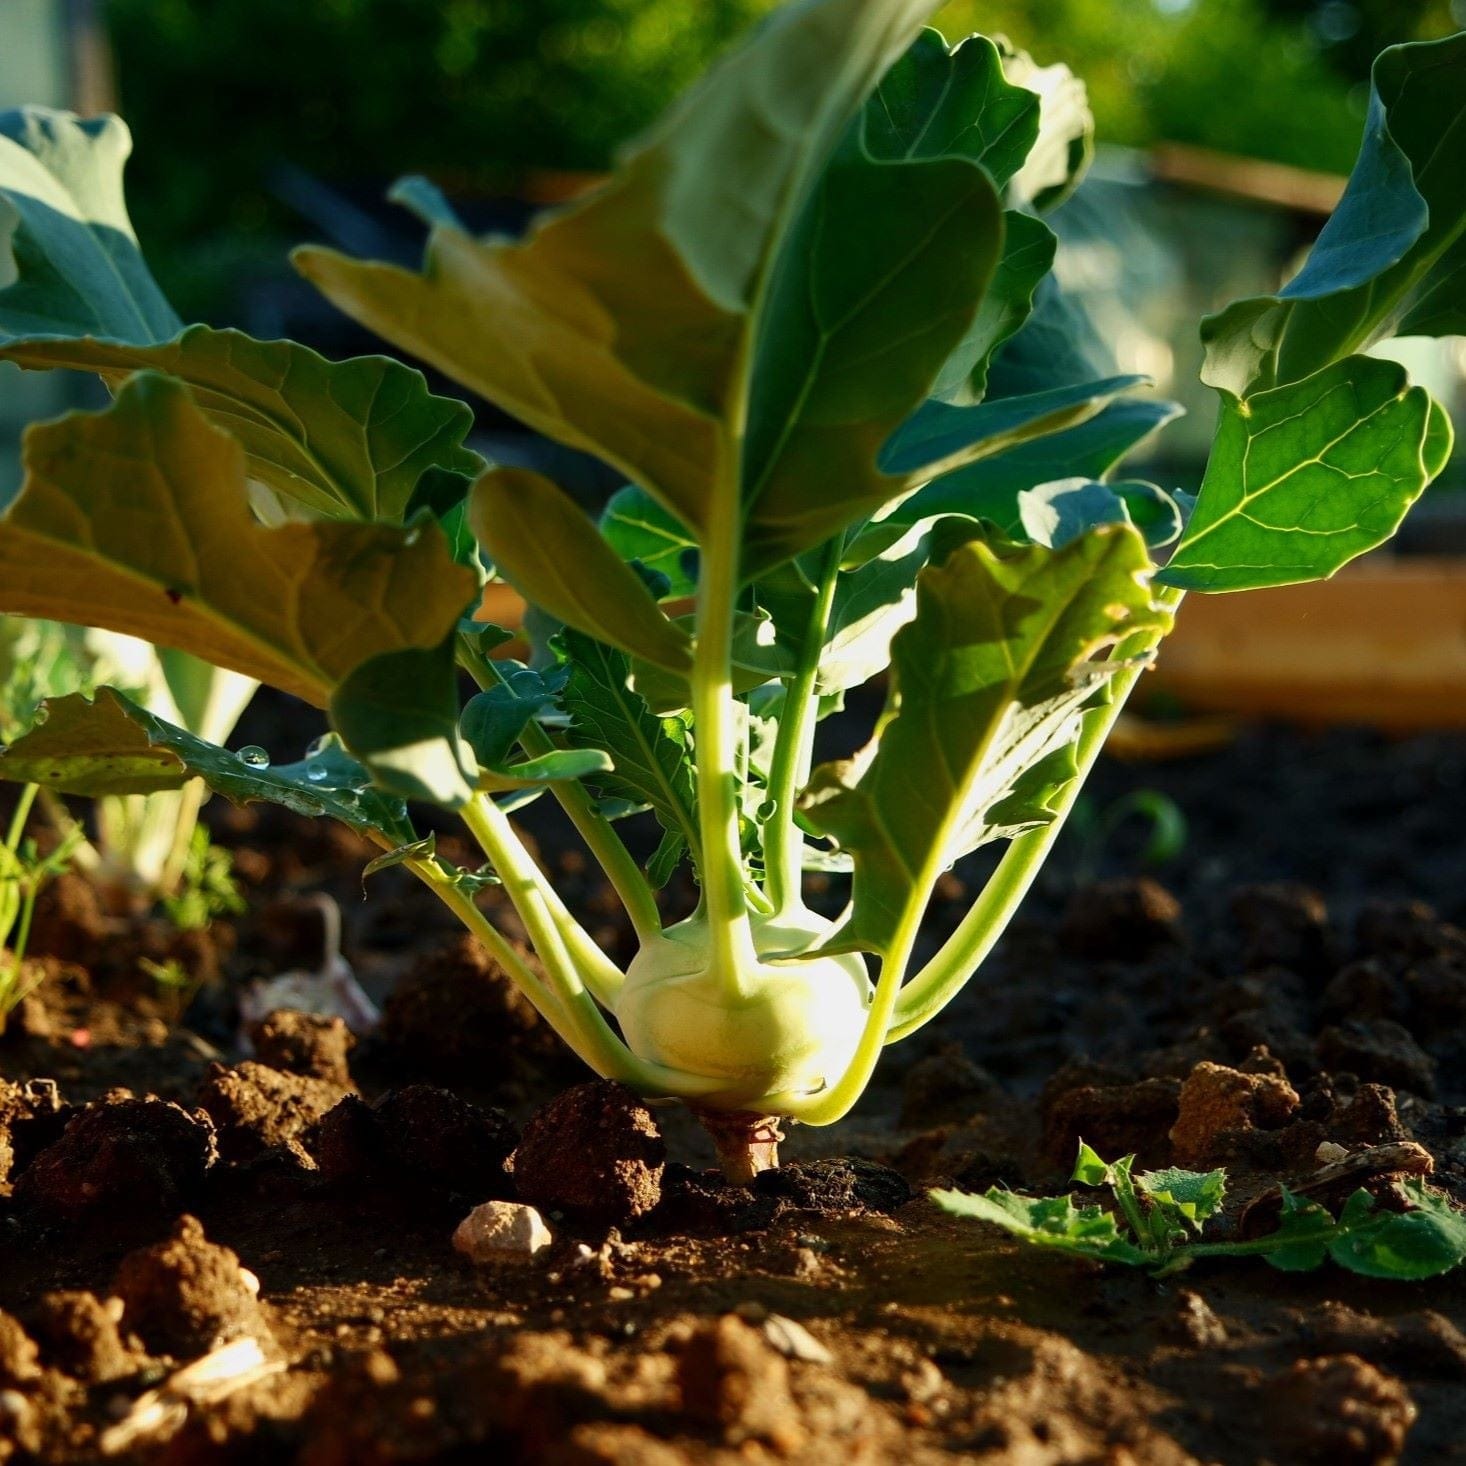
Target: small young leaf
[(492, 720), (1195, 1196), (1424, 1242), (424, 849), (398, 713), (638, 528), (548, 549)]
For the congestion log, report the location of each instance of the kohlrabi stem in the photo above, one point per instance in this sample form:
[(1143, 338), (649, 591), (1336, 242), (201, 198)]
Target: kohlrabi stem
[(558, 998), (600, 836), (979, 931), (794, 746), (724, 898)]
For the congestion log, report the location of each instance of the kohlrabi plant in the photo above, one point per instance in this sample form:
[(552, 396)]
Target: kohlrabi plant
[(808, 319), (143, 848)]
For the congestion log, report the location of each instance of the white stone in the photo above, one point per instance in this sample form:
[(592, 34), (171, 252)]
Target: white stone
[(502, 1231)]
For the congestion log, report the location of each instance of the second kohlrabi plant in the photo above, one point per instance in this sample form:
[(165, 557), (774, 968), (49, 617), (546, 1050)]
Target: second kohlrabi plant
[(808, 320)]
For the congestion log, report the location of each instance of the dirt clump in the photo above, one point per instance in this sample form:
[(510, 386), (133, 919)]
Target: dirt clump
[(310, 1044), (19, 1356), (420, 1132), (32, 1116), (1124, 919), (79, 1334), (137, 1159), (837, 1186), (256, 1108), (186, 1295), (593, 1153), (1343, 1411), (1283, 924), (1219, 1106), (945, 1087), (1116, 1119), (733, 1382), (1382, 1051), (456, 1016)]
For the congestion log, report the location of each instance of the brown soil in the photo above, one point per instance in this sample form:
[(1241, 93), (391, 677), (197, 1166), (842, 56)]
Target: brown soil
[(1282, 988)]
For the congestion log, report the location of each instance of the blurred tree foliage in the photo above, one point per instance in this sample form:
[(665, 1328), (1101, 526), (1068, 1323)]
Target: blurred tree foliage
[(221, 92)]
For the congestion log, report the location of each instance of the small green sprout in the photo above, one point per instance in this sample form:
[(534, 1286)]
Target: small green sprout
[(1159, 1217), (206, 886), (24, 873)]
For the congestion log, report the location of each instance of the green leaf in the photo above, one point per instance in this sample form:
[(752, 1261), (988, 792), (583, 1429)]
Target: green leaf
[(638, 528), (111, 746), (398, 714), (493, 719), (1055, 513), (941, 103), (1089, 1168), (757, 658), (1305, 477), (1051, 1222), (1424, 1242), (1394, 239), (68, 256), (1028, 256), (989, 488), (835, 375), (1302, 1237), (344, 439), (137, 519), (987, 682), (1193, 1196), (552, 554), (424, 849), (651, 755), (941, 436), (621, 324)]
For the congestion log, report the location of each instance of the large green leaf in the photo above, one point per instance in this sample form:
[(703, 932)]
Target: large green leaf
[(638, 528), (137, 519), (345, 439), (622, 325), (547, 548), (651, 754), (856, 337), (1304, 477), (111, 746), (1394, 236), (987, 686)]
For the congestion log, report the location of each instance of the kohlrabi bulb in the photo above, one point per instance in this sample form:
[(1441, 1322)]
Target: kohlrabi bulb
[(787, 1025)]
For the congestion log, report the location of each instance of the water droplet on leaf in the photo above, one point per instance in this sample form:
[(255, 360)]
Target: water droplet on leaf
[(255, 756), (316, 772)]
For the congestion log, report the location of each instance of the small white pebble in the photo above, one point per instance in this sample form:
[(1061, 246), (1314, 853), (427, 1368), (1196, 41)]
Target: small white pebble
[(794, 1341), (250, 1281), (502, 1231)]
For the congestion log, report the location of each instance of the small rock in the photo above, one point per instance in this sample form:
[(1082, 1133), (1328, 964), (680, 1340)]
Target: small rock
[(594, 1152), (1121, 920), (187, 1295), (794, 1341), (78, 1333), (1196, 1324), (135, 1158), (1217, 1103), (311, 1044), (501, 1231)]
